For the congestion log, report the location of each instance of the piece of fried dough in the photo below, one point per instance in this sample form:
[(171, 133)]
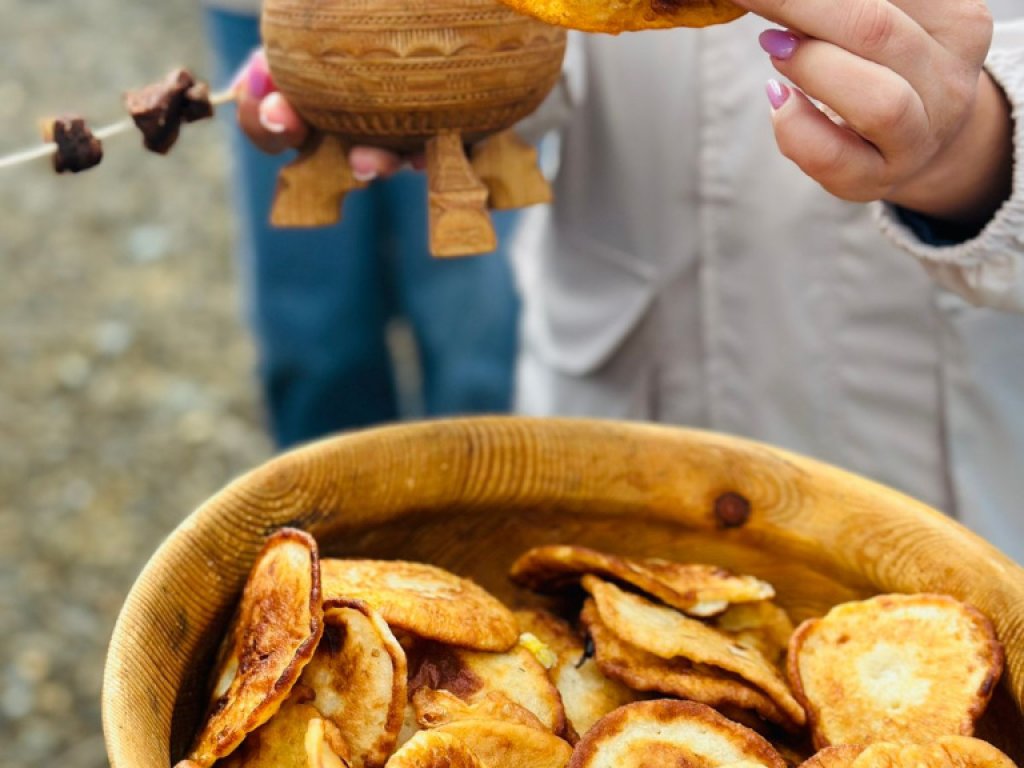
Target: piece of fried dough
[(358, 675), (587, 693), (437, 707), (628, 15), (696, 589), (667, 633), (325, 746), (946, 752), (279, 623), (424, 600), (433, 749), (969, 752), (894, 668), (670, 732), (501, 744), (471, 675), (644, 671), (281, 741), (762, 625), (838, 756)]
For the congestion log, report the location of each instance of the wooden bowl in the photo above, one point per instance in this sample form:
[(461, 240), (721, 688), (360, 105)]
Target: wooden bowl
[(394, 73), (472, 494)]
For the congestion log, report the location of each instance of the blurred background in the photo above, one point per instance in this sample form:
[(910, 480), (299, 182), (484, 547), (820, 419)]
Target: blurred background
[(126, 372)]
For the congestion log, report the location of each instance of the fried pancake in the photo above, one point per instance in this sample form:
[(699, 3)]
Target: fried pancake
[(894, 668), (423, 600), (587, 694), (696, 589), (499, 744), (628, 15), (668, 634), (409, 725), (325, 746), (472, 675), (969, 752), (278, 626), (358, 675), (762, 625), (433, 749), (280, 742), (668, 732), (839, 756), (437, 707), (644, 671), (946, 752)]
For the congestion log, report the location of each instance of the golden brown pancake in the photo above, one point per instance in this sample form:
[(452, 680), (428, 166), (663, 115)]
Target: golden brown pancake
[(614, 16)]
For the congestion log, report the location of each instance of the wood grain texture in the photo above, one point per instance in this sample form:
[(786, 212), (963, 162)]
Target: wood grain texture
[(459, 224), (312, 188), (507, 166), (394, 73), (471, 495)]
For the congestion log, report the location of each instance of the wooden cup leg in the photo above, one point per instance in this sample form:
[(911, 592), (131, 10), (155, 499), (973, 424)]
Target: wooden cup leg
[(311, 189), (508, 166), (459, 222)]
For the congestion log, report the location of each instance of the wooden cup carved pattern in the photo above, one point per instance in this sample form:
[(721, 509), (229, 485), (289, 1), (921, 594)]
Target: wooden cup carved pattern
[(427, 76)]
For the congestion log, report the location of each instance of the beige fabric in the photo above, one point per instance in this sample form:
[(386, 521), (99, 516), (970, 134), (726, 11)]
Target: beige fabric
[(689, 273)]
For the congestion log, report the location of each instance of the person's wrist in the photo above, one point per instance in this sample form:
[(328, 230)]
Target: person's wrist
[(972, 176)]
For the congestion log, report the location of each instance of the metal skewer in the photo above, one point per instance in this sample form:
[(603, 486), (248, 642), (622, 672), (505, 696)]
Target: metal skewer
[(107, 131)]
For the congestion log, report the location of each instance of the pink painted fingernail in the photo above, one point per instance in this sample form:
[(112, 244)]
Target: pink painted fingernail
[(777, 93), (269, 113), (258, 81), (778, 43)]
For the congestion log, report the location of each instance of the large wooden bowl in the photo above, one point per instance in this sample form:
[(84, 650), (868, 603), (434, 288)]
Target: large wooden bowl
[(471, 495)]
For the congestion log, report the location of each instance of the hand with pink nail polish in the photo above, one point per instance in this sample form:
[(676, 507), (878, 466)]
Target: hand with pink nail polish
[(271, 123), (908, 115)]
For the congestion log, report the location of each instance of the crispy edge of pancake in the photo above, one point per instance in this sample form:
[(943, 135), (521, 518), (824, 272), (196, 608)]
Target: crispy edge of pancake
[(434, 749), (493, 740), (837, 756), (664, 712), (548, 568)]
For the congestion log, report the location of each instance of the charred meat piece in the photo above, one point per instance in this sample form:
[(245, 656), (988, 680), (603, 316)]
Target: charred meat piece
[(77, 149), (160, 108)]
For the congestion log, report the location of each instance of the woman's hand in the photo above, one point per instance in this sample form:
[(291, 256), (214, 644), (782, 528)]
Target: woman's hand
[(915, 119), (269, 121)]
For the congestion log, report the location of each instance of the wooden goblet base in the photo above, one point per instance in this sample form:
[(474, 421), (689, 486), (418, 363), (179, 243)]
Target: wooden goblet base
[(503, 174)]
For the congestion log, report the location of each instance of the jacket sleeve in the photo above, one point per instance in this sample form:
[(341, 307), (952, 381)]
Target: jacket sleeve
[(988, 268), (567, 94)]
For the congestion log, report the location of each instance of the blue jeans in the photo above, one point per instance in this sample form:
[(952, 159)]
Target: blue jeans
[(320, 300)]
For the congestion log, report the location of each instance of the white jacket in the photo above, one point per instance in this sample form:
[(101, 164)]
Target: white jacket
[(788, 315)]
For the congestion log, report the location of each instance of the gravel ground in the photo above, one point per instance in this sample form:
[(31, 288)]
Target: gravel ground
[(126, 390)]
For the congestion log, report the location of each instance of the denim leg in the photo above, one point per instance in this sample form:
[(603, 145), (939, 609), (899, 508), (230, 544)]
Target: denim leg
[(464, 312), (318, 300)]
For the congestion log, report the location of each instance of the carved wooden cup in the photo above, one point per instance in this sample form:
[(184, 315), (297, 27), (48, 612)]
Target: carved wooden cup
[(411, 76), (471, 495)]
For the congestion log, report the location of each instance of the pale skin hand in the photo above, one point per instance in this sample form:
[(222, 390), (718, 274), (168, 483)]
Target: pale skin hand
[(272, 125), (920, 124)]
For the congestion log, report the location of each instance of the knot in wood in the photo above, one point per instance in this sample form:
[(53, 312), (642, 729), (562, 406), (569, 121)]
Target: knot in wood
[(731, 510)]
